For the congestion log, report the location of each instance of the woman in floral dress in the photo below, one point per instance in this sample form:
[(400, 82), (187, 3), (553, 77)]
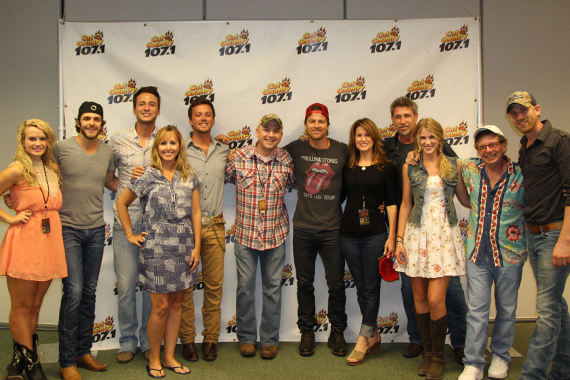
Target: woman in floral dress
[(429, 246)]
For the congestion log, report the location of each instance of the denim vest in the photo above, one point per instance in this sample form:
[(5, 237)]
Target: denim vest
[(418, 180)]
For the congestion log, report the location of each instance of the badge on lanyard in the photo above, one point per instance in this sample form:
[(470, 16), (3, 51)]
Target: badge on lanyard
[(45, 226), (363, 217), (262, 206)]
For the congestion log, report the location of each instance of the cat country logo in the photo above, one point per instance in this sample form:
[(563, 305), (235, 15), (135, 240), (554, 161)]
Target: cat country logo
[(240, 137), (91, 44), (420, 89), (104, 330), (388, 324), (287, 279), (351, 90), (122, 92), (386, 41), (232, 325), (102, 136), (313, 42), (348, 280), (322, 321), (160, 45), (388, 131), (455, 39), (201, 90), (457, 134), (277, 92), (235, 44), (304, 136), (108, 235), (230, 238)]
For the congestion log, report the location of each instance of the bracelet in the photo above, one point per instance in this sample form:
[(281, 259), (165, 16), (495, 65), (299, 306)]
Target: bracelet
[(131, 230), (401, 237), (400, 242)]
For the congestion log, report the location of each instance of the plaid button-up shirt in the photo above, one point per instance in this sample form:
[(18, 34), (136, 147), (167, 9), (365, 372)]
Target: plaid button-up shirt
[(127, 153), (256, 180)]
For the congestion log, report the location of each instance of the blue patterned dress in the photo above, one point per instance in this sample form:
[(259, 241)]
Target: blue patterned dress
[(164, 260)]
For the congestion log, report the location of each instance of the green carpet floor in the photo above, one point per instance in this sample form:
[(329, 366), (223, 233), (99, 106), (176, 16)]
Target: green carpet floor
[(387, 364)]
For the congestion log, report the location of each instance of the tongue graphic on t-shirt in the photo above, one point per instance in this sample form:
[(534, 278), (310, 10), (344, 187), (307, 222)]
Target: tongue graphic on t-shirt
[(318, 177)]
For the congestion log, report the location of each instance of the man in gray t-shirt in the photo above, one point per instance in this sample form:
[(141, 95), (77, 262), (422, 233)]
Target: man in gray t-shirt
[(86, 168)]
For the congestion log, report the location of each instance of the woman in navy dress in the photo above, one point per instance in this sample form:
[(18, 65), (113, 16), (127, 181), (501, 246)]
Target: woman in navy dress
[(169, 255)]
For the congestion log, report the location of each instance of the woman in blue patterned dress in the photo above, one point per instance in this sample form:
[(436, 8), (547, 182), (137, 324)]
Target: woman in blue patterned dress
[(169, 254)]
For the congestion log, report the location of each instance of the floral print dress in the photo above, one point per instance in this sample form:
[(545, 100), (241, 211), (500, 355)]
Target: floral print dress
[(434, 249)]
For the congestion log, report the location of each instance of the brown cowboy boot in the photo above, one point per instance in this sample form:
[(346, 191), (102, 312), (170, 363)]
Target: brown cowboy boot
[(438, 332), (423, 322)]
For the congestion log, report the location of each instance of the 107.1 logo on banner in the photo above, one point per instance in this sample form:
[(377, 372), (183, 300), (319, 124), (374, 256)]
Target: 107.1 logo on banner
[(92, 44), (160, 45), (235, 43)]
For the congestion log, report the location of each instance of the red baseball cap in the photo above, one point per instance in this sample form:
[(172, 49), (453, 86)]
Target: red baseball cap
[(323, 110)]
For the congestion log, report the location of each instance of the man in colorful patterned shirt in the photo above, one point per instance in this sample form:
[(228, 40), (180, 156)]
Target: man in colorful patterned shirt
[(262, 173), (496, 251)]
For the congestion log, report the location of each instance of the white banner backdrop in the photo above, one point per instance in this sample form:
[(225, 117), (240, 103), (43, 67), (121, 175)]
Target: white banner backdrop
[(252, 68)]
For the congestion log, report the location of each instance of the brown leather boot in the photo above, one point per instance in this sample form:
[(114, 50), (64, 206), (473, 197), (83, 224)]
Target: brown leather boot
[(423, 322), (438, 332), (16, 367)]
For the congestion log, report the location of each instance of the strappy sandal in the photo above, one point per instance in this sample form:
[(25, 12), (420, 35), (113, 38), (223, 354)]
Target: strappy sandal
[(148, 370)]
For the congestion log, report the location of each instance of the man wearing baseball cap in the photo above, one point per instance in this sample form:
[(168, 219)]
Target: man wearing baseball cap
[(319, 161), (86, 168), (496, 251), (262, 173), (544, 157)]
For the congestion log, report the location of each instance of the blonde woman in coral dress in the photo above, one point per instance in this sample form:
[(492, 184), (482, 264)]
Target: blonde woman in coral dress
[(32, 253)]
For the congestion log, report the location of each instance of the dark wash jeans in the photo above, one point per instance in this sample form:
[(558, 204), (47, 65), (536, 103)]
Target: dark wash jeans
[(362, 258), (306, 245), (83, 253)]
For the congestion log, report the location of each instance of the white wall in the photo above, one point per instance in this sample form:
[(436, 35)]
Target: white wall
[(524, 48)]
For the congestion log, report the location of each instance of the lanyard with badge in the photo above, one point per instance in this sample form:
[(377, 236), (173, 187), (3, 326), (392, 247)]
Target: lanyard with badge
[(262, 204), (363, 214), (45, 222)]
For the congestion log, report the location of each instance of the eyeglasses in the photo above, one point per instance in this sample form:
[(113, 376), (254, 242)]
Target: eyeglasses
[(483, 148)]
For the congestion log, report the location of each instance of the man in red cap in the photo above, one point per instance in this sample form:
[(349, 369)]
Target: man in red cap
[(318, 163)]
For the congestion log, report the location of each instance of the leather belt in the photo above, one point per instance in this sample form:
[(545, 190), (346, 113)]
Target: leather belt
[(536, 229), (208, 221)]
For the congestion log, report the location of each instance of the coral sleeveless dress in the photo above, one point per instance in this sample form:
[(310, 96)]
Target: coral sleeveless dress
[(26, 252)]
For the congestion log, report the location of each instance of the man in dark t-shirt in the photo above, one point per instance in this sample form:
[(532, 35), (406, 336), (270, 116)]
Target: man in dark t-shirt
[(404, 113), (318, 163)]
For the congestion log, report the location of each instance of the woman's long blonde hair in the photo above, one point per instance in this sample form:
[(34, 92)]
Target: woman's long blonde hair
[(433, 127), (181, 164), (24, 158), (378, 154)]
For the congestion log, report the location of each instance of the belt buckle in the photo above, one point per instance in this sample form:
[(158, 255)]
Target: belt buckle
[(207, 221)]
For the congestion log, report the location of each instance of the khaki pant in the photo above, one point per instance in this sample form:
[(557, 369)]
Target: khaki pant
[(212, 258)]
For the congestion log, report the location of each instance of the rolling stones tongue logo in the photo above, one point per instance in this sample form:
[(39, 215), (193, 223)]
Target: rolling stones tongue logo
[(318, 177)]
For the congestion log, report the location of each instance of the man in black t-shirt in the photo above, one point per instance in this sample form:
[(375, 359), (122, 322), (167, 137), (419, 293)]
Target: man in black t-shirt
[(404, 113), (318, 163)]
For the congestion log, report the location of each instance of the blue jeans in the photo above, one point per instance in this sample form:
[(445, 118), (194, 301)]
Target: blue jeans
[(479, 282), (271, 262), (454, 302), (551, 339), (306, 245), (83, 254), (362, 258), (126, 263)]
